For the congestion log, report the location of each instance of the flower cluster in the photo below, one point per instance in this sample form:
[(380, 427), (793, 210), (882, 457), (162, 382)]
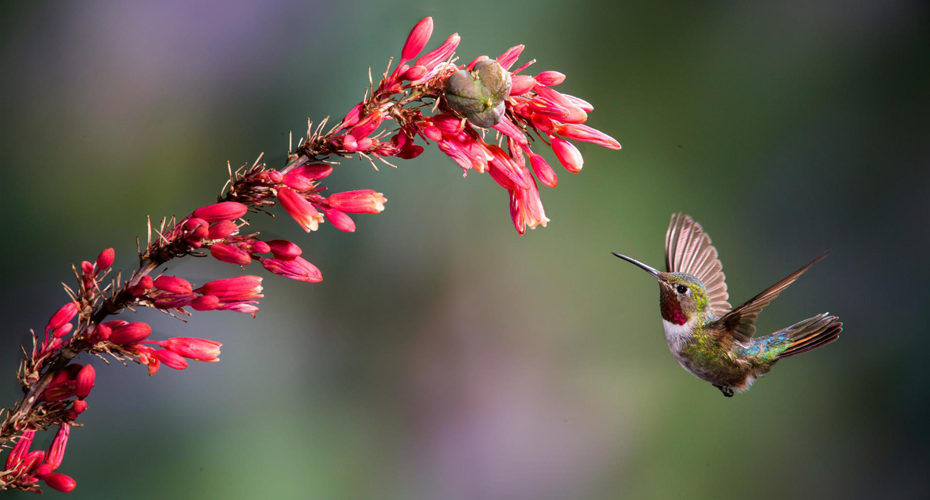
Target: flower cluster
[(466, 101)]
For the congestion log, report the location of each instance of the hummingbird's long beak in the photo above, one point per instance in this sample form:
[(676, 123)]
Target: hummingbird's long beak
[(644, 267)]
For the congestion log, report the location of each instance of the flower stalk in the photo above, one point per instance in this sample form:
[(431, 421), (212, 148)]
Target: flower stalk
[(425, 99)]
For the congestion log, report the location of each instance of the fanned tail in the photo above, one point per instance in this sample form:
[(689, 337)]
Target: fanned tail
[(810, 334)]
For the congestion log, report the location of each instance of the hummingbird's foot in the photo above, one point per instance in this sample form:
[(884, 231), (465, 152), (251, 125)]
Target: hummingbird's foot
[(726, 390)]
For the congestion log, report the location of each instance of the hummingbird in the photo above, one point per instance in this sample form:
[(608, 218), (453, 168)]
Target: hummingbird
[(709, 339)]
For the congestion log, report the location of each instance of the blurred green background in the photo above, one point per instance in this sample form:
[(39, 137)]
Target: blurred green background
[(444, 356)]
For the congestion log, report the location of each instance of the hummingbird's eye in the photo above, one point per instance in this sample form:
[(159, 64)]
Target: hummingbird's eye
[(681, 289)]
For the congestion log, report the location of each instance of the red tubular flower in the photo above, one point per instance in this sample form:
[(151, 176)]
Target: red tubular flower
[(550, 78), (585, 133), (193, 348), (416, 40), (197, 229), (21, 449), (362, 201), (171, 359), (303, 178), (102, 332), (510, 56), (228, 253), (60, 482), (568, 154), (77, 407), (222, 229), (63, 315), (233, 289), (295, 269), (63, 330), (105, 259), (283, 249), (56, 452), (205, 303), (300, 209), (543, 171), (366, 125), (521, 84), (84, 382), (227, 210), (340, 220), (130, 333), (436, 56), (173, 284)]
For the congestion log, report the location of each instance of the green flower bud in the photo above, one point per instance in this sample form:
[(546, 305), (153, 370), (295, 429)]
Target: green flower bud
[(479, 94)]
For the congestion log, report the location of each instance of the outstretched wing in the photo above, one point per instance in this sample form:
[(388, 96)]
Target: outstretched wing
[(688, 250), (740, 321)]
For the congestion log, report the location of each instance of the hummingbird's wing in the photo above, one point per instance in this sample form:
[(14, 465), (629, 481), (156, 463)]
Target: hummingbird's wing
[(739, 323), (688, 250)]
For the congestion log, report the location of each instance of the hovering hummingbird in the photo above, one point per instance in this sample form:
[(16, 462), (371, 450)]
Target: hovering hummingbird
[(710, 340)]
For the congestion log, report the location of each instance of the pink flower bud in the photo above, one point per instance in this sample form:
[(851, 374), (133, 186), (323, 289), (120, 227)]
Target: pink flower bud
[(568, 154), (102, 332), (21, 449), (87, 268), (300, 209), (550, 78), (196, 349), (417, 39), (436, 56), (506, 127), (227, 210), (77, 407), (349, 143), (585, 133), (130, 333), (228, 253), (63, 315), (105, 259), (60, 482), (205, 303), (56, 452), (197, 228), (543, 171), (362, 201), (510, 56), (222, 229), (302, 178), (364, 144), (255, 246), (340, 220), (295, 269), (173, 284), (146, 282), (283, 249), (171, 359), (415, 73), (230, 289), (63, 330), (42, 470), (521, 84), (84, 381)]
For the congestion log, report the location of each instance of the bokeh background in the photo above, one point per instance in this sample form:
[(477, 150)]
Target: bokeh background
[(444, 356)]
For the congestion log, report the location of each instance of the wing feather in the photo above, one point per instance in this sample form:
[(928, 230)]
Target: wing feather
[(740, 322), (688, 250)]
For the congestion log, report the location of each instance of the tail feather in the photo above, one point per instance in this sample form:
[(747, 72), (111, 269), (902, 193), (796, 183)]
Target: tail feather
[(811, 334)]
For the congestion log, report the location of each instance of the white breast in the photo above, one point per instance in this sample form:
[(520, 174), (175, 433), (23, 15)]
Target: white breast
[(676, 335)]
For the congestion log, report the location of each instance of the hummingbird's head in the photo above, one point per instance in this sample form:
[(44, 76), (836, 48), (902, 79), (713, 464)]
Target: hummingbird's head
[(681, 295)]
